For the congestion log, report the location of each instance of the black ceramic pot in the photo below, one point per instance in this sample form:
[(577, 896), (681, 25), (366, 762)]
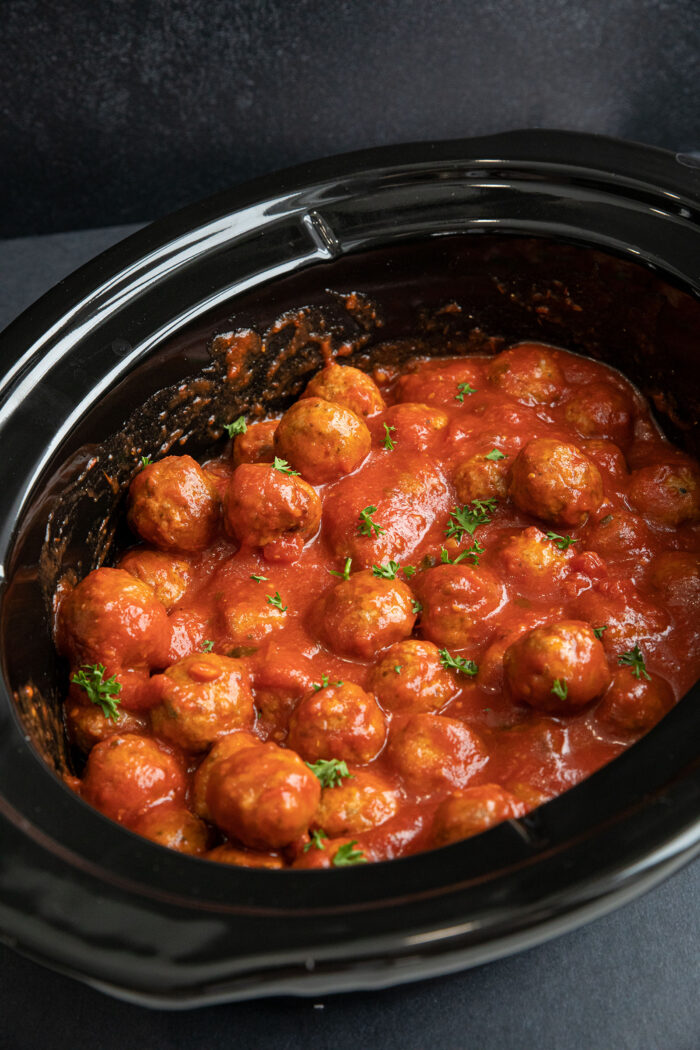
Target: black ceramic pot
[(585, 242)]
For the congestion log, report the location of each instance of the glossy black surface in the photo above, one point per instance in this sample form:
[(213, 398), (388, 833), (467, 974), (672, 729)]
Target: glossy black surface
[(151, 924)]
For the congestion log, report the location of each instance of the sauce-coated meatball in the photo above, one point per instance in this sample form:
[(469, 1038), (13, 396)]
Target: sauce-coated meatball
[(257, 444), (635, 705), (127, 774), (431, 751), (627, 617), (173, 505), (618, 535), (555, 482), (529, 560), (415, 425), (473, 810), (165, 573), (481, 478), (363, 801), (265, 796), (202, 698), (364, 614), (668, 493), (222, 749), (529, 373), (174, 827), (438, 382), (249, 611), (606, 456), (270, 509), (600, 410), (244, 858), (322, 439), (457, 601), (338, 721), (675, 576), (410, 677), (558, 668), (88, 725), (349, 387)]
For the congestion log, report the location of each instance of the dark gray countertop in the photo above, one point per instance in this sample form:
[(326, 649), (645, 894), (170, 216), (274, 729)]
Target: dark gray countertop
[(628, 981)]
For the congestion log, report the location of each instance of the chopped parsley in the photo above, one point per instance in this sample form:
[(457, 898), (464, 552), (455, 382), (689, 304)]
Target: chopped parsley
[(560, 688), (283, 467), (145, 461), (276, 601), (324, 682), (317, 838), (347, 854), (100, 690), (598, 631), (345, 574), (366, 526), (462, 390), (466, 519), (472, 553), (398, 668), (408, 571), (495, 454), (633, 658), (458, 663), (386, 572), (237, 427), (207, 647), (330, 771), (259, 579), (388, 443), (562, 542), (416, 607)]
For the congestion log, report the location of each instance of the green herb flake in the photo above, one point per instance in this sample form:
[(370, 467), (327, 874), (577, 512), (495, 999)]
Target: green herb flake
[(386, 572), (458, 663), (276, 601), (237, 427), (416, 607), (462, 390), (259, 579), (317, 838), (560, 688), (283, 467), (562, 542), (466, 519), (472, 553), (598, 631), (145, 461), (330, 771), (495, 454), (633, 658), (207, 647), (345, 574), (408, 571), (347, 854), (388, 443), (366, 526), (398, 668), (100, 690)]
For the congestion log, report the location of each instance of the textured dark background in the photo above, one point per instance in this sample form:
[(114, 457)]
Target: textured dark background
[(116, 111)]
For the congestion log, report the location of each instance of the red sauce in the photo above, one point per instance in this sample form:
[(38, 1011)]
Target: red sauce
[(591, 532)]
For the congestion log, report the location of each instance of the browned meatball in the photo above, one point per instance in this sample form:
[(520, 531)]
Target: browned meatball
[(458, 601), (338, 721), (114, 619), (606, 456), (222, 749), (555, 482), (635, 705), (244, 858), (322, 439), (270, 509), (431, 751), (203, 697), (257, 444), (174, 827), (166, 574), (415, 425), (529, 560), (281, 676), (675, 576), (250, 611), (441, 381), (410, 677), (529, 373), (363, 801), (127, 774), (619, 534), (668, 493), (349, 387), (174, 505), (87, 724), (558, 668), (601, 410), (473, 810), (628, 618), (363, 614), (265, 796), (481, 478)]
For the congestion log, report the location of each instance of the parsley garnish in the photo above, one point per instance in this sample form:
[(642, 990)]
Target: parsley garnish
[(330, 771), (347, 854), (466, 519), (472, 552), (386, 572), (398, 668), (207, 647), (317, 838), (324, 683), (345, 574), (276, 601), (416, 606), (560, 688), (388, 443), (237, 427), (562, 542), (283, 467), (598, 631), (259, 579), (366, 525), (463, 388), (495, 454), (145, 461), (633, 658), (100, 691), (408, 571), (458, 663)]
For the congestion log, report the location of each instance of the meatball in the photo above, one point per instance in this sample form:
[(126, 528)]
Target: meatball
[(473, 810), (555, 482), (128, 774), (281, 676), (529, 373), (531, 561), (166, 574), (458, 602), (202, 698), (606, 456), (266, 508), (481, 478), (322, 439), (414, 425), (256, 445), (675, 576), (244, 858), (112, 618), (222, 749), (363, 801), (635, 705), (601, 410), (250, 611), (431, 751), (338, 721), (349, 387), (265, 796), (323, 854), (628, 619), (410, 677), (87, 724), (174, 827), (364, 614), (619, 535), (668, 493), (173, 505), (440, 382), (558, 668)]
